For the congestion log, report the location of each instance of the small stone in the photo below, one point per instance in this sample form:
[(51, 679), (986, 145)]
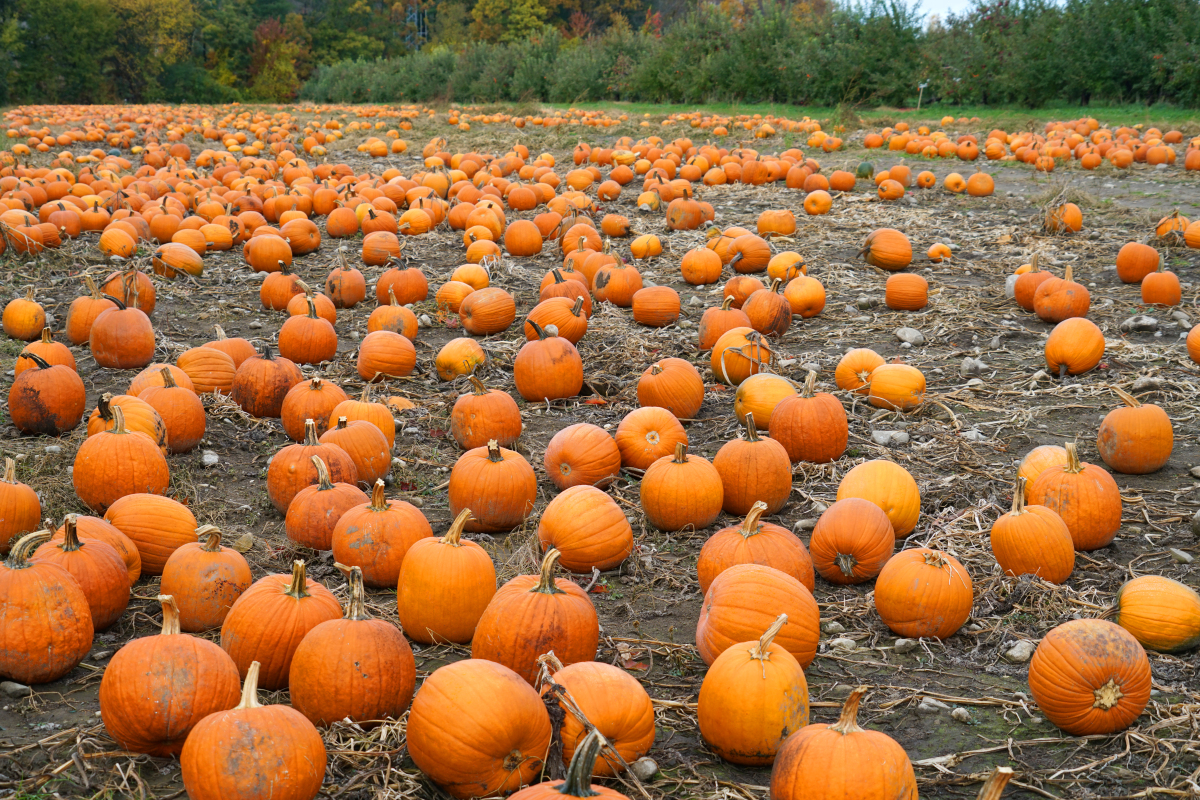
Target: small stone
[(810, 366), (243, 543), (255, 324), (209, 459), (833, 627), (889, 438), (960, 715), (14, 689), (644, 769), (911, 336), (1182, 317), (424, 321), (53, 449), (1010, 286), (844, 645), (1196, 525), (695, 300), (971, 366), (905, 346), (1147, 384), (399, 462), (1036, 720), (804, 525), (974, 435), (1195, 471), (1180, 556), (819, 507), (1020, 652), (412, 430), (929, 707), (1139, 322), (685, 323), (903, 646), (860, 318), (976, 384), (100, 655), (355, 335), (866, 303), (841, 690), (50, 320)]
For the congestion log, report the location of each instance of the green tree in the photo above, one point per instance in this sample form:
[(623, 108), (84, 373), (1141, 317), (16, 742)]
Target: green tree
[(150, 36), (508, 20), (49, 64), (277, 80)]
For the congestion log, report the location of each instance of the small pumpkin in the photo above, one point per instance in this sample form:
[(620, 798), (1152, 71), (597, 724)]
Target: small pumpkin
[(656, 306), (52, 352), (548, 368), (853, 372), (1085, 496), (759, 395), (292, 468), (498, 480), (754, 542), (852, 541), (261, 383), (716, 322), (582, 455), (887, 248), (181, 412), (812, 426), (1136, 260), (1074, 347), (116, 463), (673, 384), (681, 491), (1038, 459), (96, 567), (738, 354), (140, 417), (84, 310), (460, 356), (769, 311), (316, 509), (1066, 218), (313, 399), (753, 469), (47, 399), (1058, 299), (376, 536), (157, 526), (205, 578), (365, 445), (588, 528), (745, 598), (906, 292), (566, 316), (647, 434), (1032, 540), (20, 507), (1161, 288), (366, 408), (889, 486), (896, 387), (1136, 439), (394, 317), (24, 318), (122, 337), (210, 370), (489, 311)]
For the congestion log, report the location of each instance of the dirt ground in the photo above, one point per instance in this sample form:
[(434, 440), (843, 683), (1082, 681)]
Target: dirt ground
[(963, 445)]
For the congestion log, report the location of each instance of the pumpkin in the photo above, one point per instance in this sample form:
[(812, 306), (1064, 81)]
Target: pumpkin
[(47, 399), (616, 283), (753, 469), (571, 288), (314, 399), (656, 306), (754, 696), (309, 339), (210, 370), (647, 434), (844, 761), (315, 510), (345, 285), (375, 537), (20, 507), (1027, 283), (1162, 614), (1038, 459), (484, 414), (116, 463), (52, 352), (153, 376), (889, 486), (1066, 218), (748, 597), (786, 266), (496, 480), (853, 372), (588, 529), (1056, 299), (292, 468), (355, 668), (45, 625), (179, 409), (489, 311), (444, 586), (89, 528), (367, 409), (609, 699), (261, 383), (1136, 260), (906, 292), (253, 751), (84, 310), (923, 593), (122, 338), (460, 356), (758, 396), (533, 614), (195, 674), (887, 249), (805, 295), (205, 578), (522, 239), (852, 541), (1074, 347), (409, 285), (700, 266), (754, 542), (769, 311), (749, 253), (716, 322), (457, 739), (156, 525), (278, 289), (1136, 439), (365, 445), (680, 491), (548, 368), (565, 315), (393, 317), (24, 318), (896, 387), (1193, 343), (1089, 676), (1085, 496), (740, 287), (673, 384), (582, 455), (1032, 540), (140, 417), (269, 620), (297, 306), (738, 354), (96, 567), (811, 426), (1161, 288)]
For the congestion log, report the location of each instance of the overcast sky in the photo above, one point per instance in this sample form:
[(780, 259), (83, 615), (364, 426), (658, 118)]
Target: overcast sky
[(943, 7)]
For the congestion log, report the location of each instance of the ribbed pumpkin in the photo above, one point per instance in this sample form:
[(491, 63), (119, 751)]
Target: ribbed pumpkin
[(738, 354), (1075, 346), (853, 373), (769, 312), (181, 411), (269, 620), (616, 283), (753, 469), (365, 445), (384, 354), (1136, 439), (716, 322), (313, 399), (923, 593), (582, 455), (24, 318), (1028, 282), (489, 311), (1058, 299), (157, 688), (484, 414), (588, 528), (393, 317), (157, 525), (758, 396), (1085, 496), (292, 468), (1089, 676), (46, 400), (754, 696), (261, 383), (888, 249), (681, 491), (116, 463), (647, 434), (356, 668), (1038, 459), (457, 739), (131, 287), (210, 369), (369, 410), (610, 699), (534, 614), (673, 384), (20, 507), (253, 751), (153, 376), (460, 356), (84, 310), (345, 285), (1162, 288), (754, 542), (122, 337), (140, 417), (842, 762), (307, 338), (409, 285), (96, 567), (89, 528), (547, 368), (444, 586), (315, 510), (896, 387), (852, 541), (1032, 540), (567, 316), (889, 486), (749, 597), (498, 485), (1066, 218), (906, 292), (375, 537), (205, 579), (811, 426), (1162, 614), (54, 353)]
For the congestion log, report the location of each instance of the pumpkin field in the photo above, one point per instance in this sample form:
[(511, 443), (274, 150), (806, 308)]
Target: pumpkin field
[(379, 452)]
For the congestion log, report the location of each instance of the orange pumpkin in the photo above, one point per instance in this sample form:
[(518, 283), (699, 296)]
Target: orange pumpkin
[(748, 597), (1136, 439), (887, 249), (1032, 540), (1085, 496), (754, 542), (889, 486), (923, 593)]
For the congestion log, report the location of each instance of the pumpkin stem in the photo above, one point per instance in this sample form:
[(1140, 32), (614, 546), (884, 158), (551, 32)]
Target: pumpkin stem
[(118, 420), (579, 772), (92, 288), (848, 721), (310, 433), (1129, 399), (477, 386), (342, 424), (392, 297), (494, 454), (680, 453), (168, 378), (356, 609), (104, 406), (1033, 262), (315, 383), (751, 524), (751, 428), (846, 563), (993, 787), (211, 535), (250, 689), (557, 273), (70, 541), (298, 588), (41, 362), (45, 336), (367, 392), (1073, 465), (29, 294), (1018, 506), (545, 584), (170, 609), (761, 651), (775, 284), (810, 384), (1068, 273), (538, 329), (454, 535), (312, 307), (1107, 695), (378, 498), (265, 350), (324, 482), (10, 471), (18, 557), (578, 307)]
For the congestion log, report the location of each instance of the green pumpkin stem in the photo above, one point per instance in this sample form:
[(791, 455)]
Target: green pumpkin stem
[(18, 557), (848, 721), (579, 772), (250, 689), (545, 584), (298, 588), (453, 536), (211, 535), (170, 609), (356, 609)]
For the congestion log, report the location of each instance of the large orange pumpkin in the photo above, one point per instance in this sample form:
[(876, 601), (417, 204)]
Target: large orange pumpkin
[(889, 486), (1136, 439), (749, 597), (923, 593), (1085, 496), (754, 542), (1032, 540)]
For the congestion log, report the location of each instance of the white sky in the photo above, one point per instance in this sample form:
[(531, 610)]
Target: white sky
[(942, 7)]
